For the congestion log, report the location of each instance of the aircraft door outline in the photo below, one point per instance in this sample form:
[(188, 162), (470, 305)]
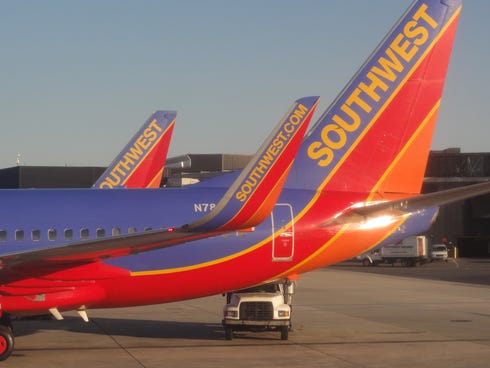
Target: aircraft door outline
[(282, 232)]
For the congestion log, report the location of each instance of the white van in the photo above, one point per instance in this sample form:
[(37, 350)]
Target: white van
[(438, 252)]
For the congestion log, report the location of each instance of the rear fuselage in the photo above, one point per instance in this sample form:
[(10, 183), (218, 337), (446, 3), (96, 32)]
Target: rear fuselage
[(290, 241)]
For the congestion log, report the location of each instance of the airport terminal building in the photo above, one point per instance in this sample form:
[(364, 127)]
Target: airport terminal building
[(465, 224)]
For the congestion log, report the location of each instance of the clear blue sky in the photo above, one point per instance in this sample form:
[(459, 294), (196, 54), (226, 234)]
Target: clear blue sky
[(78, 78)]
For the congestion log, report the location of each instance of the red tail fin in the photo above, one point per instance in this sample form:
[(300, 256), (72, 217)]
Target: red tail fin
[(140, 164), (376, 135)]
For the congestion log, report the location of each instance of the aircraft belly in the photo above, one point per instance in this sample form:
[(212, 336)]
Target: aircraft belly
[(37, 300)]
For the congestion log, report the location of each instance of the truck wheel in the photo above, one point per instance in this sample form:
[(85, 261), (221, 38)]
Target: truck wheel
[(6, 342), (284, 332), (228, 333)]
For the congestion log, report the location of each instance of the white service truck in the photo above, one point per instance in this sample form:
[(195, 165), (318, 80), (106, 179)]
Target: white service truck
[(411, 251), (260, 308)]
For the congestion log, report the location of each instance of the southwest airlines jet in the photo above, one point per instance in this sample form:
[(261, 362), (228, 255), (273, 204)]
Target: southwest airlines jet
[(351, 184), (141, 162)]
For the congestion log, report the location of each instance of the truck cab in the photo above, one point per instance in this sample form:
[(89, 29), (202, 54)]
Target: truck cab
[(260, 308)]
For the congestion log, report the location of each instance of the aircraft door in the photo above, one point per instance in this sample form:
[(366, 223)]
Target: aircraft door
[(282, 233)]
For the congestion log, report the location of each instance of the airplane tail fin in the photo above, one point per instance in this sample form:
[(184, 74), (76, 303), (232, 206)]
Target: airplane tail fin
[(140, 164), (253, 194), (375, 137)]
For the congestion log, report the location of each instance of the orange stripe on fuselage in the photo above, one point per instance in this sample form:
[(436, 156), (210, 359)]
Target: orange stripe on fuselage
[(344, 245)]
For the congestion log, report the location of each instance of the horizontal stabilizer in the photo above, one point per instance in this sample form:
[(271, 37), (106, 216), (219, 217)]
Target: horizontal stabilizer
[(399, 207)]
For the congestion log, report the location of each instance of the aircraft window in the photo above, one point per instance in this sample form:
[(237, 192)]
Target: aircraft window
[(19, 234), (68, 234), (51, 234), (3, 235), (100, 232), (36, 235), (84, 233), (116, 231), (131, 230)]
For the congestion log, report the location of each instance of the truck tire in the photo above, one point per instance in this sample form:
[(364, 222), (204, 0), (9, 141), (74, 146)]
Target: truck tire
[(284, 332)]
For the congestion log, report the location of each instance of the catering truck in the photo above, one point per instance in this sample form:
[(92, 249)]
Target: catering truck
[(411, 251), (261, 308)]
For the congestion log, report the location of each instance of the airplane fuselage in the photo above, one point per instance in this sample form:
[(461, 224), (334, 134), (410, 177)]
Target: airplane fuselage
[(286, 243)]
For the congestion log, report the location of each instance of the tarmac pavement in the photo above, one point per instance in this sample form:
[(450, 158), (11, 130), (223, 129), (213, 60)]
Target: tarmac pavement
[(343, 316)]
